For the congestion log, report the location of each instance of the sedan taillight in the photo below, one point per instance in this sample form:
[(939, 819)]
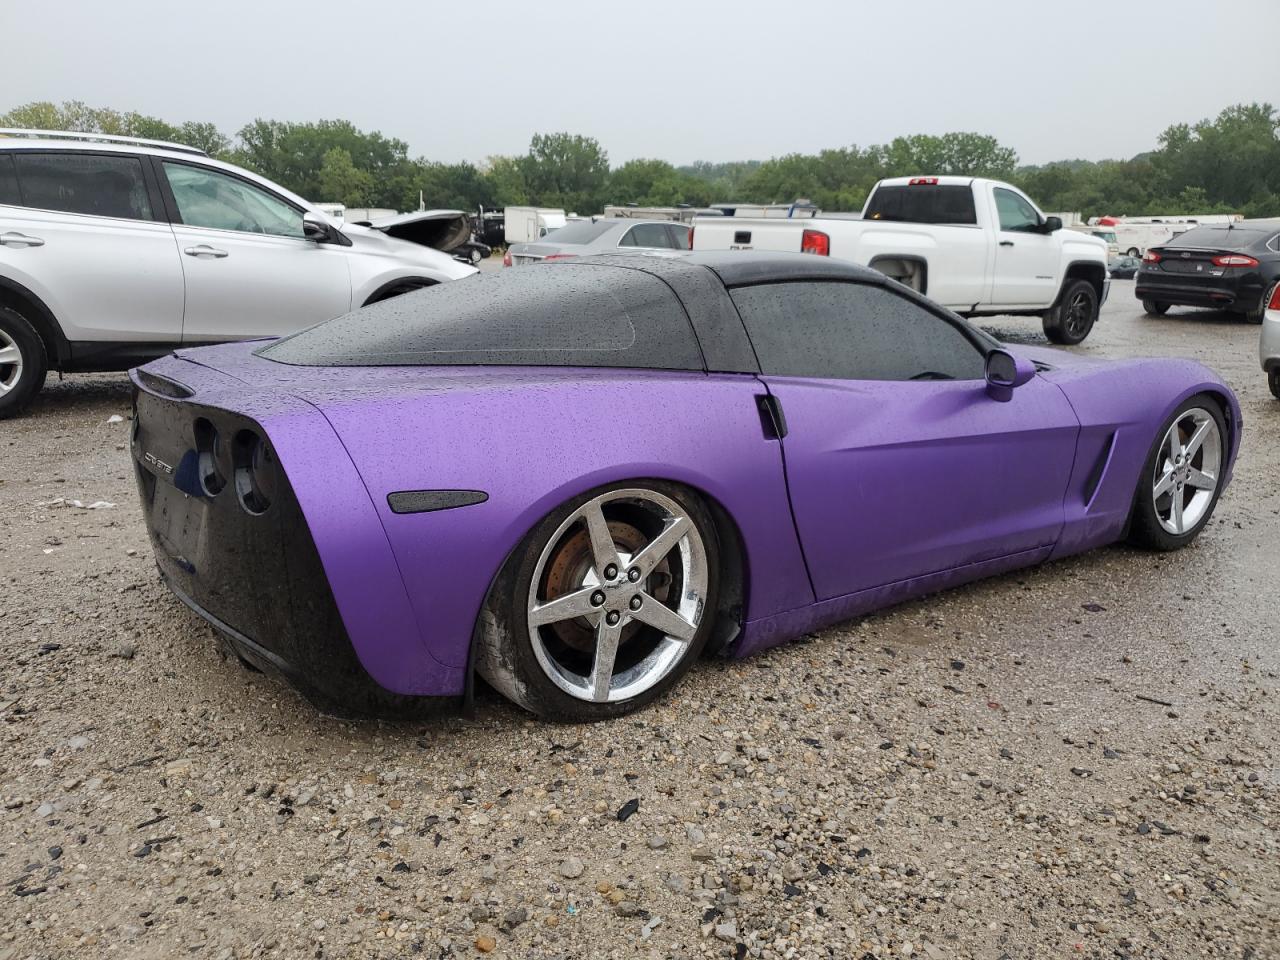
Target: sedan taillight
[(1234, 260), (558, 256), (1151, 257), (1275, 299)]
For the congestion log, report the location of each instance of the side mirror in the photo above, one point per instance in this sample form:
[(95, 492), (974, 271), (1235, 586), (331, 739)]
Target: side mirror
[(1004, 372), (1051, 224), (317, 228)]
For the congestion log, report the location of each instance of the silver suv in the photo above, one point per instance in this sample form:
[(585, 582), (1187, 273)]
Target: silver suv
[(114, 250)]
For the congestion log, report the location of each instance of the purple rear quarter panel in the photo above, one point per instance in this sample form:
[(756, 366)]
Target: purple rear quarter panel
[(531, 438)]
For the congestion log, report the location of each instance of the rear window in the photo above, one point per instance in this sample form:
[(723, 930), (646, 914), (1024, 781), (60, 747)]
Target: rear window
[(8, 182), (1221, 236), (96, 185), (922, 203), (557, 315), (580, 232)]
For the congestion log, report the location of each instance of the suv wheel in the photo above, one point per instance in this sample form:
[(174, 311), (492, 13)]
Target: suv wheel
[(22, 362)]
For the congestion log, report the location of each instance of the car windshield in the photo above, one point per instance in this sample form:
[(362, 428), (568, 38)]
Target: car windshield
[(579, 233)]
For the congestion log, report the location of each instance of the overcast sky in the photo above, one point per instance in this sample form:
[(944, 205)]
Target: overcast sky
[(683, 81)]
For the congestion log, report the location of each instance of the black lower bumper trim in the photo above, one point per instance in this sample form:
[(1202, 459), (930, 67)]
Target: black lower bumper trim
[(372, 701)]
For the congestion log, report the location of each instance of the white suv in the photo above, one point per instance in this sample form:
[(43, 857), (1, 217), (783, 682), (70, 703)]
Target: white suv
[(113, 251)]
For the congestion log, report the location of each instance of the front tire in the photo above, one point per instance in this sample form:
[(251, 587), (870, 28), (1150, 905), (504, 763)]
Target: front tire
[(604, 605), (1273, 381), (1133, 252), (1182, 477), (23, 363), (1155, 308), (1072, 317)]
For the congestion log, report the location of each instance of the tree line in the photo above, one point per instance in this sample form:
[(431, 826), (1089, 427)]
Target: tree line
[(1227, 164)]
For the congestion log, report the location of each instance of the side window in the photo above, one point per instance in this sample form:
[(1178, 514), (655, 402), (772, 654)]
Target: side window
[(679, 236), (9, 194), (646, 235), (92, 184), (853, 331), (1015, 213), (207, 198)]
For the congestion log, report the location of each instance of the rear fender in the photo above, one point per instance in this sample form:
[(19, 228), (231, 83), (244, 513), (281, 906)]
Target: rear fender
[(533, 446)]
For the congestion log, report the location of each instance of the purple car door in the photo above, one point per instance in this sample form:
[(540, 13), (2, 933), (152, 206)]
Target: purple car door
[(898, 462)]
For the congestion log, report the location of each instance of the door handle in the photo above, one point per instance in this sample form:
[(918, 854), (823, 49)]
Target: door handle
[(772, 420), (12, 239), (1006, 243), (204, 250)]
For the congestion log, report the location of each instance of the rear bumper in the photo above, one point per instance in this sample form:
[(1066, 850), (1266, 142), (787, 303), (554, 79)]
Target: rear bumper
[(1222, 292)]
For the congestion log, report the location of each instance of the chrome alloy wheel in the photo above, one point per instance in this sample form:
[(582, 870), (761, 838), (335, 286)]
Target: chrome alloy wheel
[(10, 363), (1188, 470), (617, 595)]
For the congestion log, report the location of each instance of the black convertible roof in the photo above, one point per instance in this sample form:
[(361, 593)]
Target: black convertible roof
[(737, 268), (639, 310)]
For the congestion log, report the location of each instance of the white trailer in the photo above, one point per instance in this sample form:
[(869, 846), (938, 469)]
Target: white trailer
[(530, 224)]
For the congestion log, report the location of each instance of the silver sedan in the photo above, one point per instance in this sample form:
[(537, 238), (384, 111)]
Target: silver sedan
[(584, 237)]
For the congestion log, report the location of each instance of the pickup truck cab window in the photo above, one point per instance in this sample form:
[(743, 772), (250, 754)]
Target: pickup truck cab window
[(853, 331), (923, 203), (1015, 212), (89, 184), (207, 198)]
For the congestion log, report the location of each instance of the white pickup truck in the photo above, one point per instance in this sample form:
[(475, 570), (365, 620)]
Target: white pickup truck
[(980, 247)]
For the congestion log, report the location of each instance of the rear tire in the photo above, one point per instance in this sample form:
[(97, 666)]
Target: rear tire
[(1273, 381), (1155, 308), (546, 659), (1072, 317), (1133, 252), (1257, 314), (1171, 472), (23, 363)]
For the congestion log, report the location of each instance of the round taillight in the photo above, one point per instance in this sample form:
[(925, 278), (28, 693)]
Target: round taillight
[(211, 457), (255, 470)]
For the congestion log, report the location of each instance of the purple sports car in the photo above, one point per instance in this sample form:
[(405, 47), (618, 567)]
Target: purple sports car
[(578, 478)]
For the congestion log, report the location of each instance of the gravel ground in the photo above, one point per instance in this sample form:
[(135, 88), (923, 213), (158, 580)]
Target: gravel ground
[(1076, 760)]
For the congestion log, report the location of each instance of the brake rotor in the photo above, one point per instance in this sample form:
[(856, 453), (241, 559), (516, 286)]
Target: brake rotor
[(572, 568)]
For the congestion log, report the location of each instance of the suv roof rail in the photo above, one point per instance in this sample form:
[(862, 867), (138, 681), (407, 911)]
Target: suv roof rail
[(99, 138)]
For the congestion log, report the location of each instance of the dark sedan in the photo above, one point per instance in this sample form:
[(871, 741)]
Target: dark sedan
[(1123, 268), (1231, 266)]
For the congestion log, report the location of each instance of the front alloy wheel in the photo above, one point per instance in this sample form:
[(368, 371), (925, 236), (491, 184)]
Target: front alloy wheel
[(1182, 479), (616, 597)]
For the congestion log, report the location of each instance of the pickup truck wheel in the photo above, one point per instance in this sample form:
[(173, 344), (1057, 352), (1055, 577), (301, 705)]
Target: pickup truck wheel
[(22, 362), (1155, 308), (1071, 318)]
